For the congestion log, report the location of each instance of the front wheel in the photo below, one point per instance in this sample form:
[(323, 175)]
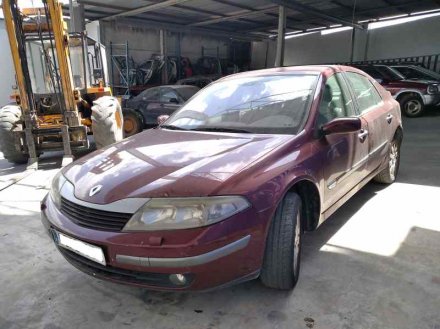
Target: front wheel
[(283, 247), (389, 174), (411, 106)]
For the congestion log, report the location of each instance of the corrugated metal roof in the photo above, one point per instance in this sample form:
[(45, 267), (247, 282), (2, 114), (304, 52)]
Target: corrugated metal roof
[(252, 18)]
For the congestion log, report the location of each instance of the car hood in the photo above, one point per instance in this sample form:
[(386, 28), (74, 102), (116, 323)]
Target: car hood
[(165, 163)]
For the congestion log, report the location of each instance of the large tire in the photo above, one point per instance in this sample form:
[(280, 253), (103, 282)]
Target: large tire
[(412, 106), (10, 117), (107, 121), (389, 174), (282, 257), (133, 122)]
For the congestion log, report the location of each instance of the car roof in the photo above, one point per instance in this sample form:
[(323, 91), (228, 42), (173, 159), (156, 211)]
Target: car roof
[(309, 69)]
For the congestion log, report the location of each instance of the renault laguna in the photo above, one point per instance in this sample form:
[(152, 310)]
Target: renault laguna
[(223, 190)]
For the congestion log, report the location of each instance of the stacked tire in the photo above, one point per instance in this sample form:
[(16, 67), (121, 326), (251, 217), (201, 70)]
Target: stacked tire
[(10, 118)]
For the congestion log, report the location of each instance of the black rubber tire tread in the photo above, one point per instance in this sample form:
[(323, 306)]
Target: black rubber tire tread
[(10, 117), (277, 270), (384, 176), (135, 115), (405, 99)]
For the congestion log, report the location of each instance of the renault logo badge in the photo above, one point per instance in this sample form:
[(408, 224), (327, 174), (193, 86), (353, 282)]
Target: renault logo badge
[(95, 190)]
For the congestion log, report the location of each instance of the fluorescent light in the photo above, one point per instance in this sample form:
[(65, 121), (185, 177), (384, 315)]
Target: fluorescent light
[(392, 17), (377, 25), (335, 30), (298, 35), (316, 28)]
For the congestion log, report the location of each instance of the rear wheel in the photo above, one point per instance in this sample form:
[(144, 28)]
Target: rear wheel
[(133, 122), (282, 257), (412, 106), (389, 174), (10, 118)]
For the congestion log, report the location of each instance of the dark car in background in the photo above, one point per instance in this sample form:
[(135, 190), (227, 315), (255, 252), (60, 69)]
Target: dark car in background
[(200, 81), (412, 94), (224, 189), (143, 110), (416, 72)]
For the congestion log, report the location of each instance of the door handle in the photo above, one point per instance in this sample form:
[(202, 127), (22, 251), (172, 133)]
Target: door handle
[(389, 118), (363, 135)]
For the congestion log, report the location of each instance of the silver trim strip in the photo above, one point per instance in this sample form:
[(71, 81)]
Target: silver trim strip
[(129, 205), (185, 261)]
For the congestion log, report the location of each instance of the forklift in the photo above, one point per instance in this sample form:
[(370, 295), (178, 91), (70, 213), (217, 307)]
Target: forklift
[(61, 80)]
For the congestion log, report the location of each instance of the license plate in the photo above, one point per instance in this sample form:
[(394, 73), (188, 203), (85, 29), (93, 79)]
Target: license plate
[(84, 249)]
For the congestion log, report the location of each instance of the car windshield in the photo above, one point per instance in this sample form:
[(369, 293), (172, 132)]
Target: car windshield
[(277, 104), (417, 73)]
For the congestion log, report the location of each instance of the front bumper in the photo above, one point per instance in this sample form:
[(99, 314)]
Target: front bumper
[(208, 257), (433, 99)]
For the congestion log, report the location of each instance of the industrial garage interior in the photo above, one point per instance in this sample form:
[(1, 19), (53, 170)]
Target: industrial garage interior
[(373, 263)]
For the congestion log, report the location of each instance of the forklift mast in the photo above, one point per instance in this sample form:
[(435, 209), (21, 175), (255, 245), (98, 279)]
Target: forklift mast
[(48, 26)]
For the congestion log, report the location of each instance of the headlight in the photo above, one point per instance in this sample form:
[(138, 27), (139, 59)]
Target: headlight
[(57, 183), (433, 89), (181, 213)]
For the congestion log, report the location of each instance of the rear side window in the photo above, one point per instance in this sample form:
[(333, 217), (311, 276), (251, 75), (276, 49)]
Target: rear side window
[(167, 94), (365, 93)]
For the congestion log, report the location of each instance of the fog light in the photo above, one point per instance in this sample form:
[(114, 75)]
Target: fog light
[(178, 279)]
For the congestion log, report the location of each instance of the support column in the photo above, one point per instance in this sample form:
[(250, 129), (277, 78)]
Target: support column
[(163, 53), (279, 59), (77, 19)]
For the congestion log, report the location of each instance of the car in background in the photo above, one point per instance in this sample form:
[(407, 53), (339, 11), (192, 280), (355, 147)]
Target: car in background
[(200, 81), (413, 95), (416, 72), (222, 191), (143, 110)]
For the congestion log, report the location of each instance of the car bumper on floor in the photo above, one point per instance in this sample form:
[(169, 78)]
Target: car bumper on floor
[(194, 259)]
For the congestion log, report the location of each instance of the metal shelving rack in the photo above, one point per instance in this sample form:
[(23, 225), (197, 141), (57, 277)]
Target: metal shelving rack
[(118, 52)]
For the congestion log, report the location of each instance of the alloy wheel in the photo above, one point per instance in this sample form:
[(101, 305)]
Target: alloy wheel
[(394, 157), (413, 107), (297, 244)]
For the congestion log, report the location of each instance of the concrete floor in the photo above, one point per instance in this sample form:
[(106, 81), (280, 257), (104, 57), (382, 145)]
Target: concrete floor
[(374, 264)]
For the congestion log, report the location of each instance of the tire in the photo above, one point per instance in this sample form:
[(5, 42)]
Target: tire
[(282, 256), (411, 106), (389, 174), (10, 118), (107, 121), (133, 122)]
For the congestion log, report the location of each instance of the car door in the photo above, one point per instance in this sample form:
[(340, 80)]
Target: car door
[(375, 112), (148, 105), (345, 155), (170, 101)]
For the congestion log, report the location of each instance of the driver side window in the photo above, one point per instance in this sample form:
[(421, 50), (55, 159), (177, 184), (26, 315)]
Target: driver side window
[(336, 101)]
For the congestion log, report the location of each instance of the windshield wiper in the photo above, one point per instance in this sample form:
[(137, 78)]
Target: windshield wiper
[(223, 129), (171, 127)]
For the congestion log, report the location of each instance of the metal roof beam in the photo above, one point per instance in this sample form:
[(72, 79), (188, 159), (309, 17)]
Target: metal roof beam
[(294, 5), (234, 17), (144, 9)]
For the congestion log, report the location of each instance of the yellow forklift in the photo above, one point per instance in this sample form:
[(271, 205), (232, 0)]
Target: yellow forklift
[(62, 92)]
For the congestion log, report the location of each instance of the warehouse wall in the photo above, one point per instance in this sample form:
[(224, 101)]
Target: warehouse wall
[(419, 37), (144, 42), (7, 68)]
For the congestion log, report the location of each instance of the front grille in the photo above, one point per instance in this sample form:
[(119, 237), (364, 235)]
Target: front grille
[(118, 274), (93, 218)]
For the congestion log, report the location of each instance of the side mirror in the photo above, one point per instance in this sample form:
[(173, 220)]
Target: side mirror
[(174, 100), (342, 126), (162, 118)]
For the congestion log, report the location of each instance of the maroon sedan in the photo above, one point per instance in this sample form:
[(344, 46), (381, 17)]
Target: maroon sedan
[(223, 190)]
